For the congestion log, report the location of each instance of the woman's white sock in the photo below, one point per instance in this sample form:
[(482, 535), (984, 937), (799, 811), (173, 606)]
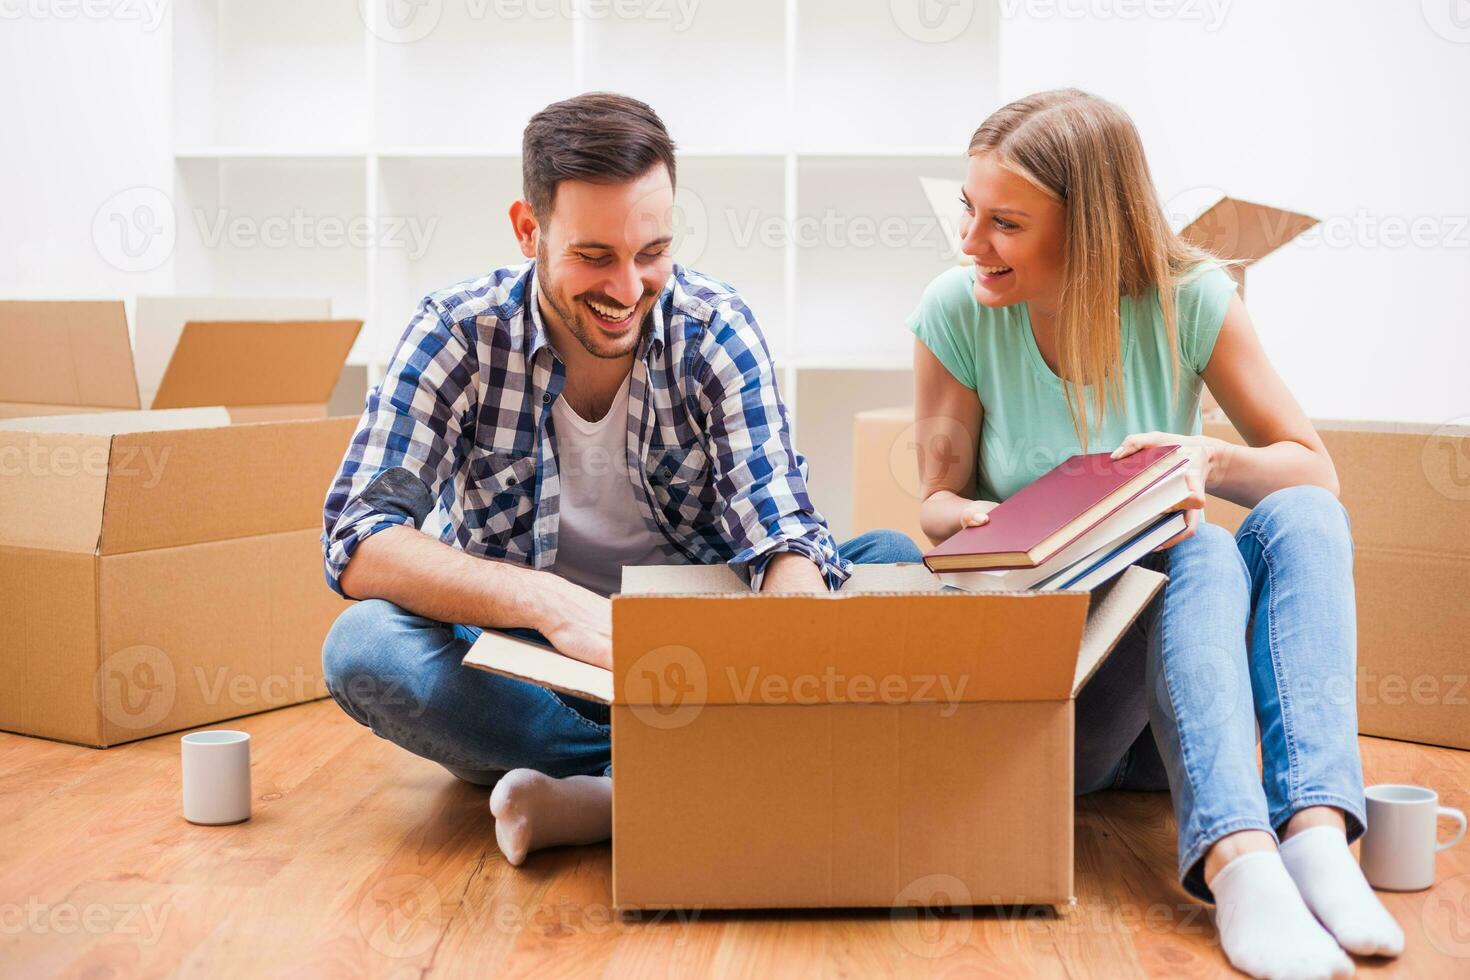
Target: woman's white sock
[(1266, 929), (1333, 886)]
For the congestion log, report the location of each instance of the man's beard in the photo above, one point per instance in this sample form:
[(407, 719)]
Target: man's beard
[(570, 314)]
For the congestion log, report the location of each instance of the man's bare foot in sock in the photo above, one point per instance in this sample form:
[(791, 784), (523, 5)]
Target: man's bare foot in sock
[(533, 810)]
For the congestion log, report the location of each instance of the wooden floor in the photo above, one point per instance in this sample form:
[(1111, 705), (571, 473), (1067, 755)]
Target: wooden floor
[(363, 860)]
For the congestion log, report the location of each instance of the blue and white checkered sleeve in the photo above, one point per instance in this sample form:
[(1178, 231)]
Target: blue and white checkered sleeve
[(405, 447), (766, 506)]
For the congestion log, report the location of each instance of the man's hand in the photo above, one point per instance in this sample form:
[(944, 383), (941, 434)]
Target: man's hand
[(577, 621), (1202, 452), (788, 571)]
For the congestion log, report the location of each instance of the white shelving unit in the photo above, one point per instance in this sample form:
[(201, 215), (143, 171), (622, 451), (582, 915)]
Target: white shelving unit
[(368, 150)]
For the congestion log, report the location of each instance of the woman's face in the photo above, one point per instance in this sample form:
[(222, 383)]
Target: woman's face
[(1016, 233)]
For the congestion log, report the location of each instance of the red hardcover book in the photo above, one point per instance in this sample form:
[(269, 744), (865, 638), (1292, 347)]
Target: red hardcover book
[(1049, 513)]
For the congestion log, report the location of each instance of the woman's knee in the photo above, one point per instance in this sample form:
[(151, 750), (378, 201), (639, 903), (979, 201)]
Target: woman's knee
[(1307, 513)]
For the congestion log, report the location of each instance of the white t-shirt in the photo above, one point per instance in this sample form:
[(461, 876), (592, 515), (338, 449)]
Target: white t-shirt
[(602, 525)]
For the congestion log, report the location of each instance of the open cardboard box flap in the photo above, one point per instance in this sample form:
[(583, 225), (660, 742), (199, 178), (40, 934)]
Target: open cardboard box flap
[(64, 353), (978, 646), (257, 362)]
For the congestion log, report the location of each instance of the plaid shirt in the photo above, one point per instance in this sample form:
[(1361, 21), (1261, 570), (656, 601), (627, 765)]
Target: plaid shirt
[(462, 425)]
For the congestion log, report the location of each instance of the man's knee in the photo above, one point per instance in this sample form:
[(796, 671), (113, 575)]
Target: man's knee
[(364, 661)]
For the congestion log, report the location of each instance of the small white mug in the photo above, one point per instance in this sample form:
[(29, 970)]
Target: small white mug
[(1403, 836), (216, 767)]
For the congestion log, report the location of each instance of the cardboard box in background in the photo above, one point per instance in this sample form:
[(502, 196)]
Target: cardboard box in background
[(1407, 492), (886, 745), (159, 322), (69, 357), (160, 570), (1406, 489)]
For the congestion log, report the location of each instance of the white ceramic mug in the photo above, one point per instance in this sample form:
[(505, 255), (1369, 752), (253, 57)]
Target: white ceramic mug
[(216, 768), (1403, 836)]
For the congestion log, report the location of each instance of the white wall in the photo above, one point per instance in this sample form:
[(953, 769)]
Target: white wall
[(1356, 112), (85, 117)]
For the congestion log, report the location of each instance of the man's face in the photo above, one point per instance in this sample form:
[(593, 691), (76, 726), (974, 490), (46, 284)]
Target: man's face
[(602, 258)]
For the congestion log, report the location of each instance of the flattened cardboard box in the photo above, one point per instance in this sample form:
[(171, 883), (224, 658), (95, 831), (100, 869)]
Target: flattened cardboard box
[(63, 358), (1406, 489), (890, 744), (160, 570)]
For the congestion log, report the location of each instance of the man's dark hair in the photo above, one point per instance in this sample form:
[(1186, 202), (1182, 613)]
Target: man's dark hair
[(599, 137)]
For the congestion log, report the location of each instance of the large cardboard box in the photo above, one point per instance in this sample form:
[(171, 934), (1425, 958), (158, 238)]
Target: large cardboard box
[(160, 570), (65, 357), (890, 744), (1406, 488)]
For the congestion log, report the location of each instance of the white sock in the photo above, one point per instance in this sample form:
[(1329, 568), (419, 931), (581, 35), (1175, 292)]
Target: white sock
[(1333, 886), (533, 810), (1266, 929)]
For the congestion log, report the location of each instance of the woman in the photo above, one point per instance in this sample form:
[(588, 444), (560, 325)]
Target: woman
[(1077, 276)]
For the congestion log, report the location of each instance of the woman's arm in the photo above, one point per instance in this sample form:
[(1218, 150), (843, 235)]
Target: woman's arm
[(947, 419), (1283, 449)]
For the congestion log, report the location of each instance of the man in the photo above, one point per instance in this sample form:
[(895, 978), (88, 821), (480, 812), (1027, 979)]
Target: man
[(597, 407)]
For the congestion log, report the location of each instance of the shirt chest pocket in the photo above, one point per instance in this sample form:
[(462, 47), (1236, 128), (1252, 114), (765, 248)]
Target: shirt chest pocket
[(679, 477), (500, 496)]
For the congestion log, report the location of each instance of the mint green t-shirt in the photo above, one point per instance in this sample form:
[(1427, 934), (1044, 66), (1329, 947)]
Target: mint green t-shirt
[(1026, 428)]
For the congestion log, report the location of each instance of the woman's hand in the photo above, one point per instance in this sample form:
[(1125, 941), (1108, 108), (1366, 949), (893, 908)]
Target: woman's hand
[(1202, 451), (976, 513)]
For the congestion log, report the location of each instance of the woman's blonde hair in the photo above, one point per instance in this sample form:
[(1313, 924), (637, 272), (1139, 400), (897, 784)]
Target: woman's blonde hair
[(1085, 152)]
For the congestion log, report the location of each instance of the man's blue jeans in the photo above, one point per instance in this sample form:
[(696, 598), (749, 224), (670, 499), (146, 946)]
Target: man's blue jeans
[(1259, 629), (400, 675)]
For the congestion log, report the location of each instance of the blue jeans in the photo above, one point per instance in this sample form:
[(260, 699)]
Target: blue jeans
[(400, 675), (1258, 630)]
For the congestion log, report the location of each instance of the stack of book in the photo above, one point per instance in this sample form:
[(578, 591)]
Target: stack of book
[(1074, 527)]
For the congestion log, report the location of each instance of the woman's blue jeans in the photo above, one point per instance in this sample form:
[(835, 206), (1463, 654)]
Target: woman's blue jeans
[(1255, 630)]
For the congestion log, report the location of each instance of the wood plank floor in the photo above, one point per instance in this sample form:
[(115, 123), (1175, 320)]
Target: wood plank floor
[(362, 860)]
